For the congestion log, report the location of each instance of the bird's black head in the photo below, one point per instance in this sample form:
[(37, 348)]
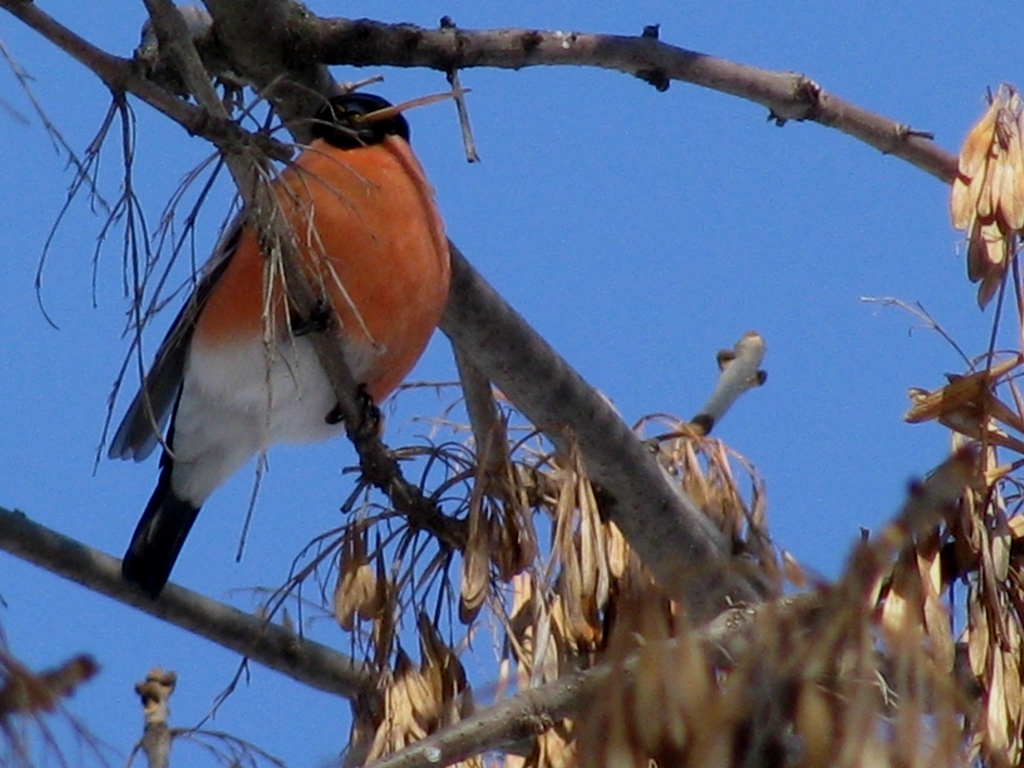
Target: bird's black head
[(339, 121)]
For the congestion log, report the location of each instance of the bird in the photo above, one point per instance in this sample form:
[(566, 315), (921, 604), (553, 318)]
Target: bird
[(237, 371)]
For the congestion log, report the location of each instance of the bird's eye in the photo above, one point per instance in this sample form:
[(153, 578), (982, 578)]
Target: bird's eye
[(349, 117)]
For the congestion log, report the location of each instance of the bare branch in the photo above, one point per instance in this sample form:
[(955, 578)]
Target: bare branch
[(155, 692), (304, 660), (276, 36), (261, 44), (787, 95), (739, 372), (671, 535), (121, 76)]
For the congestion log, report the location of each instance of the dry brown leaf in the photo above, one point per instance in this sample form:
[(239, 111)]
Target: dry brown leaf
[(515, 536), (814, 723), (355, 592), (27, 693), (1012, 695), (647, 712), (962, 390), (961, 205), (573, 549), (936, 617), (989, 250), (398, 726), (987, 196), (996, 722), (968, 405), (590, 560), (423, 698), (445, 673), (690, 687), (991, 184), (618, 551), (475, 559), (793, 571), (902, 602), (975, 149), (1001, 541), (978, 637), (1011, 196), (385, 621), (521, 618), (1000, 411)]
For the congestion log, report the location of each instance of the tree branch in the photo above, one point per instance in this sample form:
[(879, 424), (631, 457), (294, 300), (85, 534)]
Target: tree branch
[(665, 527), (725, 641), (671, 535), (273, 646), (787, 95), (738, 371), (121, 75), (259, 36)]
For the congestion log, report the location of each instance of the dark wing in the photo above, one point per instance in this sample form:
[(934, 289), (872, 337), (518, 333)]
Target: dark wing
[(138, 433)]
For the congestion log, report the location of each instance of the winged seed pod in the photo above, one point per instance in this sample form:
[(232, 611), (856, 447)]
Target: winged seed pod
[(987, 199), (356, 591)]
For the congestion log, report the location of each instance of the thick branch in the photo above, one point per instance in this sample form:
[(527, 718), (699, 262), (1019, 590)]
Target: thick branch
[(121, 75), (308, 662), (364, 42), (672, 536), (262, 44)]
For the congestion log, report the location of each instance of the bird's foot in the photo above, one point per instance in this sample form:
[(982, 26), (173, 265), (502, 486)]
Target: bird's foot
[(369, 417)]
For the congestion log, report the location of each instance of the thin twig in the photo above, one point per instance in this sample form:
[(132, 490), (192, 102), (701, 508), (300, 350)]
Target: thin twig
[(155, 692), (739, 371)]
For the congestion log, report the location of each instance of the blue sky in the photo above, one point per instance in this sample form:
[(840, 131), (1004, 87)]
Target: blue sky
[(638, 231)]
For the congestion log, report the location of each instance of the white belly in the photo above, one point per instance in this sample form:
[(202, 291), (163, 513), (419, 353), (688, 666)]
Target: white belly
[(239, 399)]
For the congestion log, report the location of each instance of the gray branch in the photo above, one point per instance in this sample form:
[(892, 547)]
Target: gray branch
[(273, 646)]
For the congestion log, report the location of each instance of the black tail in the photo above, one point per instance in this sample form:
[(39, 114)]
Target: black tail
[(159, 536)]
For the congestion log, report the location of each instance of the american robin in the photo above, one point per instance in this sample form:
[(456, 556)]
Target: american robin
[(237, 371)]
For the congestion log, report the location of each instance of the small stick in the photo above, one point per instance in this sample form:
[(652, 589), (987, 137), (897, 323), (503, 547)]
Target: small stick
[(739, 372)]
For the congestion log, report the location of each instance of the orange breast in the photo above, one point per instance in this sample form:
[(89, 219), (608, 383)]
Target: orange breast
[(371, 243)]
